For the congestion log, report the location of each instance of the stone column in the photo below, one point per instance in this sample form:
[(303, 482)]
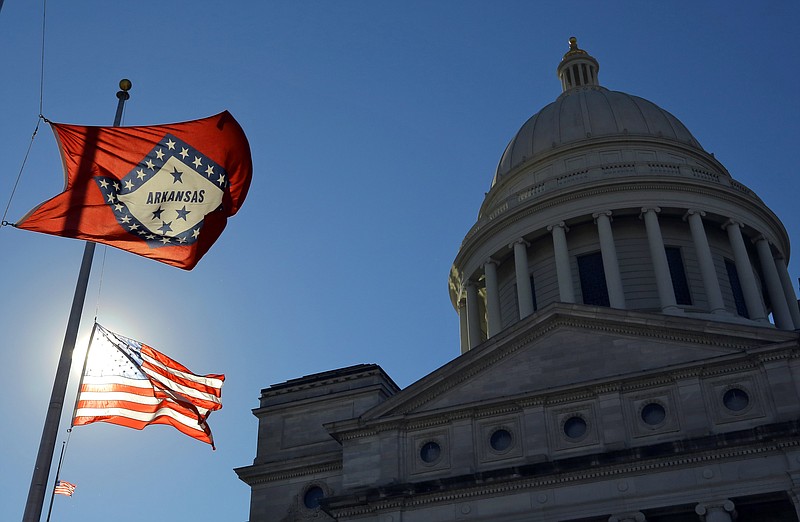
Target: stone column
[(524, 295), (666, 292), (794, 492), (717, 511), (492, 297), (788, 290), (707, 269), (566, 291), (794, 496), (608, 250), (462, 324), (473, 315), (780, 312), (752, 298)]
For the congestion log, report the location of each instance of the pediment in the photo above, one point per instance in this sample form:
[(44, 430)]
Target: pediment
[(570, 346)]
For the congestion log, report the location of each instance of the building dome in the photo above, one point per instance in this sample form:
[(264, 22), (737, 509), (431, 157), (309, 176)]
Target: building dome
[(586, 113), (592, 131), (605, 199)]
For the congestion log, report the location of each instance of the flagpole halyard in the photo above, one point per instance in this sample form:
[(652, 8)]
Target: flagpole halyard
[(44, 458)]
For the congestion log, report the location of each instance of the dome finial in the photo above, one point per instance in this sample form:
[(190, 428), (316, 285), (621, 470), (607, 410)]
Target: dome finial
[(573, 48), (577, 67)]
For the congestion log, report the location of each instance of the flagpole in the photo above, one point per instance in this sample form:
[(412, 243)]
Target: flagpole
[(58, 473), (80, 381), (44, 458)]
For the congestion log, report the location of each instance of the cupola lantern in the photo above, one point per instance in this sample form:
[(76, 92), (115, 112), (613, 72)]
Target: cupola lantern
[(577, 68)]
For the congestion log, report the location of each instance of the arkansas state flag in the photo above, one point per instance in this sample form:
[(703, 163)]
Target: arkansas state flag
[(162, 191)]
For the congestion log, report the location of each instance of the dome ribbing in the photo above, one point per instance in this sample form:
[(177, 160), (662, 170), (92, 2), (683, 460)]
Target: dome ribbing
[(587, 111)]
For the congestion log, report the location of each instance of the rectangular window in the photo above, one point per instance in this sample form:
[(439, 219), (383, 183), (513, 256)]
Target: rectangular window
[(736, 288), (593, 279), (678, 275)]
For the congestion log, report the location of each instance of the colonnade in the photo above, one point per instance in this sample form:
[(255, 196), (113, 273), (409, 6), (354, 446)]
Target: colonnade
[(776, 277)]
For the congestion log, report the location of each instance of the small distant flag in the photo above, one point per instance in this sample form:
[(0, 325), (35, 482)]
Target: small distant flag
[(130, 384), (65, 488), (161, 191)]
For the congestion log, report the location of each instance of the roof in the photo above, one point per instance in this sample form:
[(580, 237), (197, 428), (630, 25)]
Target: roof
[(586, 113)]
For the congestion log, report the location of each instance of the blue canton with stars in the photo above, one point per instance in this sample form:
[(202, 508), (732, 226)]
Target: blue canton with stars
[(182, 165), (112, 354)]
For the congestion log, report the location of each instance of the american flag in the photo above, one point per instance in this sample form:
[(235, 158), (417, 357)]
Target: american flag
[(130, 384), (65, 488)]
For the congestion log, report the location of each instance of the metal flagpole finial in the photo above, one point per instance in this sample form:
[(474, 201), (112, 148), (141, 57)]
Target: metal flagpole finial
[(122, 95), (125, 86)]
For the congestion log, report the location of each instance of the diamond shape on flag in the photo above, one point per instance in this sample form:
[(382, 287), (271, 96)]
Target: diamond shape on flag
[(164, 199)]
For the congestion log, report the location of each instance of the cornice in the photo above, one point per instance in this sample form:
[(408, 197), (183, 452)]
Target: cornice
[(273, 408), (326, 379), (596, 143), (779, 355), (261, 473), (515, 480), (487, 228)]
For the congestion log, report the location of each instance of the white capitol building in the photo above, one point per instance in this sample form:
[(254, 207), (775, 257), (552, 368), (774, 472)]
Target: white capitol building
[(629, 349)]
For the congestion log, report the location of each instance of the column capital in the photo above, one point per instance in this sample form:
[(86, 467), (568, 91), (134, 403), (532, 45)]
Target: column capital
[(693, 212), (466, 283), (492, 261), (607, 213), (730, 222), (645, 210), (519, 241), (560, 224), (759, 238), (704, 508)]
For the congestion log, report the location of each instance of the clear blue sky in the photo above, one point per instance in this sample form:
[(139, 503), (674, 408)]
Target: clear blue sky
[(375, 128)]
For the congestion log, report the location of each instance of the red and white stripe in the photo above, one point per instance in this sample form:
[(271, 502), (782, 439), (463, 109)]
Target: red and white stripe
[(171, 395)]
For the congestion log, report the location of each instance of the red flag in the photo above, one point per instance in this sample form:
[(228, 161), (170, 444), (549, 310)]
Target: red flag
[(64, 488), (162, 191), (130, 384)]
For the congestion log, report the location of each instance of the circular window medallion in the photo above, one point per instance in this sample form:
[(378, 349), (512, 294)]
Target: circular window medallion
[(736, 399), (575, 428), (501, 440), (430, 452), (653, 414), (312, 497)]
